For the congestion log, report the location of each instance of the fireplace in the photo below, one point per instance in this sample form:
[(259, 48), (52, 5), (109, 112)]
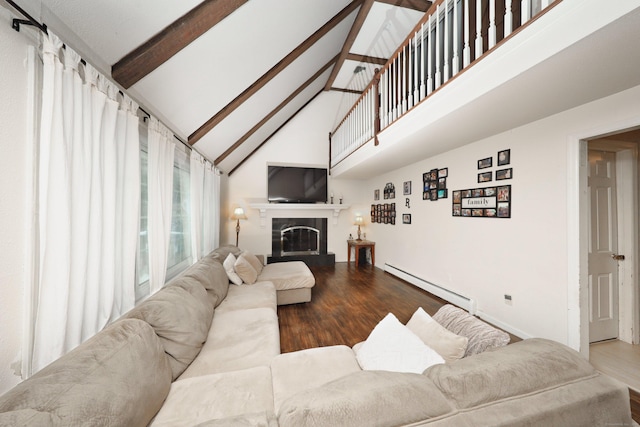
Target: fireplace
[(300, 239)]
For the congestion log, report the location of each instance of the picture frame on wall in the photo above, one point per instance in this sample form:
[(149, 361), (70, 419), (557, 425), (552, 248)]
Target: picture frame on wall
[(485, 163), (504, 157), (406, 218), (406, 188), (443, 173), (485, 176), (376, 194), (504, 174)]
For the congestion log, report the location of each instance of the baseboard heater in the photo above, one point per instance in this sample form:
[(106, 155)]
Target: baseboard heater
[(461, 301)]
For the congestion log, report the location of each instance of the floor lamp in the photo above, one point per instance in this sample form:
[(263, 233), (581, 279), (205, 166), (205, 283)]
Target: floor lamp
[(238, 214)]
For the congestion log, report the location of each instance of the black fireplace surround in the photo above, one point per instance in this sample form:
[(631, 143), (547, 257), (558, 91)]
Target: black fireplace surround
[(300, 239)]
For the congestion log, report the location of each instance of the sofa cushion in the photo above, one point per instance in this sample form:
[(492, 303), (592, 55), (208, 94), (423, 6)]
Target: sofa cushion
[(229, 268), (481, 335), (391, 346), (288, 275), (225, 250), (254, 419), (258, 295), (245, 270), (306, 369), (238, 339), (517, 369), (200, 399), (180, 316), (365, 398), (119, 377), (447, 344), (210, 273)]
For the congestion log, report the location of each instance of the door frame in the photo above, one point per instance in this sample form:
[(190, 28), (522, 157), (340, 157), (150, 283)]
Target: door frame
[(578, 237)]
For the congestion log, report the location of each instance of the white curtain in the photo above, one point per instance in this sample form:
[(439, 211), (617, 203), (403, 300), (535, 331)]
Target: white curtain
[(161, 152), (211, 209), (88, 149), (196, 178)]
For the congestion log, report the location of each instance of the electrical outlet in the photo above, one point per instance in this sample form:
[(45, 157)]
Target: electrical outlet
[(508, 300)]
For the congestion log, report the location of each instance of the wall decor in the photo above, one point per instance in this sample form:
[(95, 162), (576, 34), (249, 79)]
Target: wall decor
[(504, 157), (406, 218), (489, 202), (389, 191), (485, 163), (383, 213), (376, 194), (504, 174), (406, 188), (485, 176), (435, 184)]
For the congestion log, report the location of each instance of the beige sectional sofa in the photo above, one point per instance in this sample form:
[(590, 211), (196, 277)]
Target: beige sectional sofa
[(203, 353)]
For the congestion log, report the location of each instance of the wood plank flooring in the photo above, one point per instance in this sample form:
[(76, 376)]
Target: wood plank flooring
[(348, 301)]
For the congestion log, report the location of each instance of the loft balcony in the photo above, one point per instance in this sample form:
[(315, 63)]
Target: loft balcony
[(475, 68)]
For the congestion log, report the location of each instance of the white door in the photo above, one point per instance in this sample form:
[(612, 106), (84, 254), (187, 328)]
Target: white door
[(603, 246)]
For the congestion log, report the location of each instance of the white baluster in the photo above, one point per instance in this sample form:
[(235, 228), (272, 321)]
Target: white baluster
[(466, 52), (438, 75), (456, 39), (545, 3), (447, 27), (394, 89), (429, 57), (423, 61), (478, 28), (403, 78), (416, 80), (508, 18), (492, 23), (525, 8), (389, 105)]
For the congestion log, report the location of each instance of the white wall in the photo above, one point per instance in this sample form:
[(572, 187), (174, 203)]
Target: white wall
[(14, 196), (526, 256), (303, 141)]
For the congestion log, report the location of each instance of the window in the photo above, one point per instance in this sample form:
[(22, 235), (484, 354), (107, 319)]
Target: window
[(180, 242)]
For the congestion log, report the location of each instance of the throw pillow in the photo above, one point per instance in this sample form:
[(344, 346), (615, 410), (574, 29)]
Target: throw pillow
[(253, 260), (228, 264), (447, 344), (393, 347), (245, 270), (482, 336)]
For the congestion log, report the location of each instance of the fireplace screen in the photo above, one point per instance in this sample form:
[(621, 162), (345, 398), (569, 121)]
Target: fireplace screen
[(300, 240)]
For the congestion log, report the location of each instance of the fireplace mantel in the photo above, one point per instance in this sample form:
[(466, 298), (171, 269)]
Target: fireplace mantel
[(275, 207)]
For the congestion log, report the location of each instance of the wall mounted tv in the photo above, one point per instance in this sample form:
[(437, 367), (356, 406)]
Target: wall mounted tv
[(289, 184)]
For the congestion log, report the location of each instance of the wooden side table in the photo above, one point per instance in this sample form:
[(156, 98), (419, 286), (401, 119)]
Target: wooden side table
[(357, 244)]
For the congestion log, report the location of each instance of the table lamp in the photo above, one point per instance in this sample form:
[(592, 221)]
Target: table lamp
[(359, 221)]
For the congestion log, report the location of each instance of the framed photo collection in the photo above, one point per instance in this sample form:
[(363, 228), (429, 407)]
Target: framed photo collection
[(435, 184), (488, 202)]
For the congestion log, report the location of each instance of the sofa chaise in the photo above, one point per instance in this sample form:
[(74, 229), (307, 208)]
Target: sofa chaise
[(201, 352)]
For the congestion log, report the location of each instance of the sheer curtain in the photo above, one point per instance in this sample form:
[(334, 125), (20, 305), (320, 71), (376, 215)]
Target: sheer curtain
[(196, 176), (88, 149), (160, 191)]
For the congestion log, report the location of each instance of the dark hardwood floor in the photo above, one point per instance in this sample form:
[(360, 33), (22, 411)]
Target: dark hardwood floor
[(347, 303)]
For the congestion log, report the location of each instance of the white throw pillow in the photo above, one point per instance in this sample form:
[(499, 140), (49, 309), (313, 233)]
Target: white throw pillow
[(245, 270), (391, 346), (447, 344), (253, 260), (228, 264)]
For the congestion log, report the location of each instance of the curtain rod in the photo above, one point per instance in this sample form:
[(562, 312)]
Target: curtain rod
[(43, 27)]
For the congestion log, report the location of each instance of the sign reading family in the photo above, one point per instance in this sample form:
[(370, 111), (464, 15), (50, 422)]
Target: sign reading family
[(489, 202)]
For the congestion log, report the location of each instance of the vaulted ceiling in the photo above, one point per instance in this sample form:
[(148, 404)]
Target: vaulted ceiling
[(225, 75)]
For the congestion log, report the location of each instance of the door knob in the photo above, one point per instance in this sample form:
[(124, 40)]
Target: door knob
[(617, 257)]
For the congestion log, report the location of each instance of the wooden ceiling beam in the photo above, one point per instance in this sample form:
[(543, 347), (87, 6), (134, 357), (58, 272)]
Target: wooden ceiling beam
[(351, 38), (275, 111), (419, 5), (273, 72), (367, 59), (171, 40)]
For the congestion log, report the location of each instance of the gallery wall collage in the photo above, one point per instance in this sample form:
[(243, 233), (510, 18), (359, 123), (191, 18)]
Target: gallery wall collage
[(487, 201)]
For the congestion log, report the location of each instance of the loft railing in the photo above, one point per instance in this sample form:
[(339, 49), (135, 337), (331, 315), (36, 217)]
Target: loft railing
[(453, 35)]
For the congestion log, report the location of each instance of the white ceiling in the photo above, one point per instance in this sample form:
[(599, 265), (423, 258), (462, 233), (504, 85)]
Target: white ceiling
[(198, 82)]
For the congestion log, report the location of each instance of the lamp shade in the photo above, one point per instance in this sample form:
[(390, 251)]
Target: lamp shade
[(238, 213), (359, 220)]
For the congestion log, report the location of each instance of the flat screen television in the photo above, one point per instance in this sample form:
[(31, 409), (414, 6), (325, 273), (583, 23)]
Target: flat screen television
[(289, 184)]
